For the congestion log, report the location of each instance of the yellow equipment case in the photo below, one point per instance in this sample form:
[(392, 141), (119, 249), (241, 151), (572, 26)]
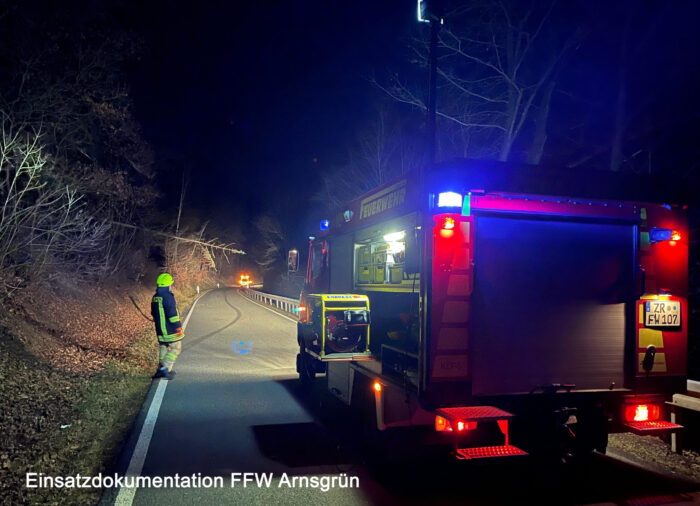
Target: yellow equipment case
[(336, 327)]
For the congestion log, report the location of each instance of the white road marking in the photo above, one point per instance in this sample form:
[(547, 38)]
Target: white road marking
[(271, 310), (125, 497), (189, 313)]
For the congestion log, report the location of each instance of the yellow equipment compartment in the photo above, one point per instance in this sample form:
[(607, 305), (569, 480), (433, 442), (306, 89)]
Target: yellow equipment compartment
[(338, 327)]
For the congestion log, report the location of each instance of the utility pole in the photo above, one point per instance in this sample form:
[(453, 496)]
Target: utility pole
[(431, 12), (432, 91)]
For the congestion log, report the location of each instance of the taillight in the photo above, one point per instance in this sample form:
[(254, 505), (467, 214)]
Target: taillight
[(642, 412), (442, 424), (462, 426)]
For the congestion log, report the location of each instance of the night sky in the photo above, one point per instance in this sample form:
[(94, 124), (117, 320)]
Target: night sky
[(255, 99)]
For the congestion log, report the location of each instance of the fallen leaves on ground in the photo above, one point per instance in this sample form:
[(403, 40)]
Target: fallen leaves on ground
[(82, 361), (80, 332)]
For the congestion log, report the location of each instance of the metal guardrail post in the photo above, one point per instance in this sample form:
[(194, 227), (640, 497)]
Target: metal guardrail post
[(690, 401)]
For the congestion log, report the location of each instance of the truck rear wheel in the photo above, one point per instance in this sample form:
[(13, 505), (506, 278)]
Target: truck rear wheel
[(306, 370), (593, 437), (590, 434)]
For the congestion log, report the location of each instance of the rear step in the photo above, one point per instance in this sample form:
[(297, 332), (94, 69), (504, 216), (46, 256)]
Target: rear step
[(488, 451), (474, 414), (466, 414), (652, 427)]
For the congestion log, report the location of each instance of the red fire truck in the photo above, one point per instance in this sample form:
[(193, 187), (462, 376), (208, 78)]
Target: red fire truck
[(510, 310)]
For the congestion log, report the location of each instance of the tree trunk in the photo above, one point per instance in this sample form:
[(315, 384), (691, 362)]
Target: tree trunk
[(539, 140), (620, 106), (619, 131), (505, 148)]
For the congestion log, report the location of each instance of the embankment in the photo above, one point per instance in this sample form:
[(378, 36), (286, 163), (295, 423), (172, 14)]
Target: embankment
[(75, 365)]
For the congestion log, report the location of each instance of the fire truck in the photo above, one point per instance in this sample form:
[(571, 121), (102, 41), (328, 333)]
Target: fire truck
[(506, 310)]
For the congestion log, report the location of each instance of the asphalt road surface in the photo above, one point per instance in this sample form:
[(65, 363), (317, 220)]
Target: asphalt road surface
[(235, 407)]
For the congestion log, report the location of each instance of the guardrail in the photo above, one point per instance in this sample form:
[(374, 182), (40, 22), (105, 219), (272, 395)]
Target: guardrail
[(285, 304), (682, 406)]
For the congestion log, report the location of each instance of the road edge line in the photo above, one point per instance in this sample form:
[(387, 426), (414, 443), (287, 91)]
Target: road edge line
[(125, 495)]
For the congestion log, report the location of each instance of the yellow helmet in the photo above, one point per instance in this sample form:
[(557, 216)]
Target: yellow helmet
[(164, 279)]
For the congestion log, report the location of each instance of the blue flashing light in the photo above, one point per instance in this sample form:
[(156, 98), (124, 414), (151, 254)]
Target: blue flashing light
[(660, 234), (421, 12), (325, 224), (449, 199)]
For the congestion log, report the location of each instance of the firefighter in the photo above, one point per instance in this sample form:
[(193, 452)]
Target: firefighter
[(168, 327)]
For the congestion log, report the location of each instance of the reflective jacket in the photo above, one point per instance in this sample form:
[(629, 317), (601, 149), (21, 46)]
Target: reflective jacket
[(165, 316)]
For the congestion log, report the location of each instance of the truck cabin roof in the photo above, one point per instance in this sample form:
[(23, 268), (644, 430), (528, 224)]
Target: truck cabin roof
[(493, 176), (403, 195)]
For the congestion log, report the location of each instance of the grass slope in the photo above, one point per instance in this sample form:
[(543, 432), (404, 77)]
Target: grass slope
[(68, 400)]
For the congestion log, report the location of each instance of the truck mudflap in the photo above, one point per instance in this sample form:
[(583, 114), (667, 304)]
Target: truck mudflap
[(461, 420)]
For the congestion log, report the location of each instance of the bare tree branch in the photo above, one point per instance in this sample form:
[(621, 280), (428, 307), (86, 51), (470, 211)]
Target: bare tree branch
[(483, 51)]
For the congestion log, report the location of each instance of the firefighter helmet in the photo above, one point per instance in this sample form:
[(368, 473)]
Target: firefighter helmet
[(164, 279)]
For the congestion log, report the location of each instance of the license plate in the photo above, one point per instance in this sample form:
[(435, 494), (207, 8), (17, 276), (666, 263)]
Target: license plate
[(662, 313)]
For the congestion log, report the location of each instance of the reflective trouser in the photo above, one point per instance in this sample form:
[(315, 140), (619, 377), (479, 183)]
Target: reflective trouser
[(169, 353)]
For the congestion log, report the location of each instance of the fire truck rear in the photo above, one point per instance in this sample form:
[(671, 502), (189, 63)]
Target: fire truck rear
[(508, 310)]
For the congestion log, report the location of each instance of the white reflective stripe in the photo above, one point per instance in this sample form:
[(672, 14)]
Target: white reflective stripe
[(161, 313)]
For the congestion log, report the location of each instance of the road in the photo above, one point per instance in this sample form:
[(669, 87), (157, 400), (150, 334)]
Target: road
[(231, 412)]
